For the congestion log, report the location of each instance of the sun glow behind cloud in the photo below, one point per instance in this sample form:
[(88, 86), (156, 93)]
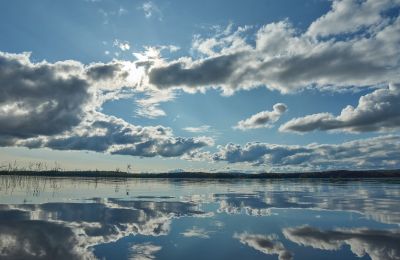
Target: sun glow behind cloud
[(65, 98)]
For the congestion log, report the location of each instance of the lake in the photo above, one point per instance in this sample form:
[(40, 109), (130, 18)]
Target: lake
[(78, 218)]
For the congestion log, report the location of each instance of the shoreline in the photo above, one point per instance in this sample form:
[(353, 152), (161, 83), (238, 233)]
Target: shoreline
[(339, 174)]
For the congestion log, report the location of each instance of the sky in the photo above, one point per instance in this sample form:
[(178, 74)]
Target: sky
[(221, 85)]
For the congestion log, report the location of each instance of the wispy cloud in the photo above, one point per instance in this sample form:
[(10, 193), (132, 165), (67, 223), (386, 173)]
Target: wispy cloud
[(198, 129), (150, 10), (122, 45)]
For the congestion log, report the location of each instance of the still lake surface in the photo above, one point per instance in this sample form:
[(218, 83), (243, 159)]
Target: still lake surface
[(61, 218)]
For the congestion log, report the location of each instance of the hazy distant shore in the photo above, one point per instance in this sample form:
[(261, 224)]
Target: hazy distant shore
[(340, 174)]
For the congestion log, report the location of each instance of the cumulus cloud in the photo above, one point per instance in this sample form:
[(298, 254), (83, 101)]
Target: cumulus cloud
[(113, 135), (264, 119), (49, 104), (268, 245), (42, 98), (377, 152), (378, 244), (377, 111), (288, 60), (56, 105), (349, 16)]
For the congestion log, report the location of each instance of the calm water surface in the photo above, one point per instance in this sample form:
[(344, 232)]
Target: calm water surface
[(58, 218)]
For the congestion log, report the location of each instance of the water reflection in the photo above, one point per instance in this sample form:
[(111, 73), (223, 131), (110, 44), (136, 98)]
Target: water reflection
[(41, 240), (144, 251), (372, 203), (83, 225), (267, 244), (55, 218), (378, 244)]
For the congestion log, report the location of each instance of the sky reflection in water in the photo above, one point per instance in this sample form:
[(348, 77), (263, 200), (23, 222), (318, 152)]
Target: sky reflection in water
[(56, 218)]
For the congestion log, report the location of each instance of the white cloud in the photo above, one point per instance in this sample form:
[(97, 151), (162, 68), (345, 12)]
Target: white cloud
[(122, 11), (285, 59), (122, 45), (264, 119), (150, 9), (198, 129), (149, 106), (377, 111), (349, 16)]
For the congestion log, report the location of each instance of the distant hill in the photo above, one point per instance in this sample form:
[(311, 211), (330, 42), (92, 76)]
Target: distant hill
[(339, 174)]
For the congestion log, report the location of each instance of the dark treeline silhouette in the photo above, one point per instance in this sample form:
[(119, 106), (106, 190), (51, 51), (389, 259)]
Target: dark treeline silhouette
[(338, 174)]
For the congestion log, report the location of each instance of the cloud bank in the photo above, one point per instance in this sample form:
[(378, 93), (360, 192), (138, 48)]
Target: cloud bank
[(288, 60), (377, 152), (56, 105), (377, 111)]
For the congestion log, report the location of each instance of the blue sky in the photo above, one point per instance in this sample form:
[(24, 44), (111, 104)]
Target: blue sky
[(201, 85)]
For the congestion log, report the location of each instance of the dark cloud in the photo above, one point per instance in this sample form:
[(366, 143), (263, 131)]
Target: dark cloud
[(378, 244), (212, 71), (55, 105), (377, 111), (115, 136), (105, 71), (39, 99), (378, 152), (172, 147), (266, 244)]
